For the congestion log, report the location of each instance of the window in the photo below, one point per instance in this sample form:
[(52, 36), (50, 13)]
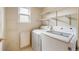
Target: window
[(24, 15)]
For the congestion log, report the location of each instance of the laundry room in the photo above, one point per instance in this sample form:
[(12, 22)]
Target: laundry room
[(39, 29)]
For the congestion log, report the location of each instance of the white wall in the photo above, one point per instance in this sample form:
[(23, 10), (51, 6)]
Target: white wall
[(60, 12), (1, 22), (78, 26), (13, 28)]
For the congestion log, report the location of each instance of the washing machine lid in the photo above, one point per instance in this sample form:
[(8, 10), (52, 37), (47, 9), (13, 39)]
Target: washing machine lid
[(39, 31)]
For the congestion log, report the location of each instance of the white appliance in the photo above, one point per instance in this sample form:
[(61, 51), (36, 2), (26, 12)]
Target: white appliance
[(58, 41), (44, 40), (36, 42), (54, 44)]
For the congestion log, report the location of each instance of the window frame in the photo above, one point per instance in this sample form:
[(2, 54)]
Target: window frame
[(29, 15)]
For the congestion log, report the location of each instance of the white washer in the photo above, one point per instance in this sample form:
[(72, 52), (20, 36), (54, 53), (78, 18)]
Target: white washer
[(36, 42)]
